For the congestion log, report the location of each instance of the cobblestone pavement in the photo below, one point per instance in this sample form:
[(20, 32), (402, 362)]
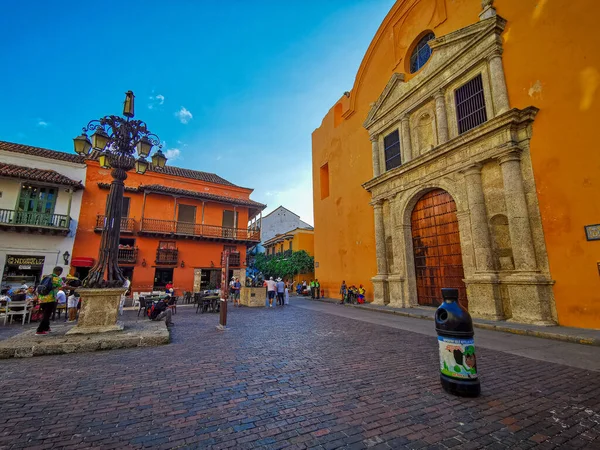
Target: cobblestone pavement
[(290, 378)]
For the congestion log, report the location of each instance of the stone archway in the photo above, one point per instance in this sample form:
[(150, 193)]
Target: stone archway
[(436, 248)]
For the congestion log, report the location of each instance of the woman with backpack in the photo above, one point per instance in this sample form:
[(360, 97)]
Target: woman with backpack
[(47, 290)]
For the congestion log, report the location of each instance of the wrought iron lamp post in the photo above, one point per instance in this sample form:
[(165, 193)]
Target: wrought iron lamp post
[(117, 140)]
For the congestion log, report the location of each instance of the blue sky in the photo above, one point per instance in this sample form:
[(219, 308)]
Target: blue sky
[(233, 87)]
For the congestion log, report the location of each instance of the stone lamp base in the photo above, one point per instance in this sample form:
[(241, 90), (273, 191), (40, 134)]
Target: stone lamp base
[(99, 311)]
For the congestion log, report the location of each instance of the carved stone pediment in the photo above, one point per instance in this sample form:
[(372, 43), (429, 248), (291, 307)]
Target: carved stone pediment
[(451, 55)]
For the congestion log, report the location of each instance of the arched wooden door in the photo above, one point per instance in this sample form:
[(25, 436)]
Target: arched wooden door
[(436, 245)]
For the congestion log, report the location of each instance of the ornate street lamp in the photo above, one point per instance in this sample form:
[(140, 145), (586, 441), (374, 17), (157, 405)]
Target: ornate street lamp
[(117, 140)]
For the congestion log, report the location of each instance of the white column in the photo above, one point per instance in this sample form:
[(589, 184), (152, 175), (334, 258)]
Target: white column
[(440, 117), (517, 212), (406, 143), (499, 91), (478, 215), (375, 149)]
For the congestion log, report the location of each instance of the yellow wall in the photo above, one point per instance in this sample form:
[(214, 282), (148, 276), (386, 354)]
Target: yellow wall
[(551, 61)]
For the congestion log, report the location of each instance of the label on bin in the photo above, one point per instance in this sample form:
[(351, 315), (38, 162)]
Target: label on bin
[(457, 357)]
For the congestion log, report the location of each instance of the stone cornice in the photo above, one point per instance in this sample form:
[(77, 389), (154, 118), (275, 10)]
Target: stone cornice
[(509, 121), (472, 35)]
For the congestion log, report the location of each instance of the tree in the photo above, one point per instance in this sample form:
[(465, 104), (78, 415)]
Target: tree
[(281, 266)]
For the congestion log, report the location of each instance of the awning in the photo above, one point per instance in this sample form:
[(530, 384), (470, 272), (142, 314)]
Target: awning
[(82, 262)]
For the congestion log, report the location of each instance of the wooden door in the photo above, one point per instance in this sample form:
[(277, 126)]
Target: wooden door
[(186, 219), (436, 245)]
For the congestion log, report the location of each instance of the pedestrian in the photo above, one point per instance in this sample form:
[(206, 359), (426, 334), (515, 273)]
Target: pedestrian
[(61, 300), (161, 311), (280, 291), (271, 287), (318, 288), (47, 291), (287, 295), (169, 288), (343, 291), (72, 302), (299, 288), (237, 287), (361, 294), (312, 289)]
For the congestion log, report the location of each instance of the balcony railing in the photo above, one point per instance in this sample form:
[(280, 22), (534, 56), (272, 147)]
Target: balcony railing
[(171, 227), (34, 219), (127, 223), (167, 255), (234, 259), (128, 255)]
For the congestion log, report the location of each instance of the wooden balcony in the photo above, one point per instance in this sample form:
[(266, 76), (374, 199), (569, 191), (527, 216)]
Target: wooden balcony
[(184, 230), (167, 256), (234, 259), (127, 224), (128, 255), (34, 222)]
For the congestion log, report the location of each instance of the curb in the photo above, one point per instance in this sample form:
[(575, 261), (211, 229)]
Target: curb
[(488, 326)]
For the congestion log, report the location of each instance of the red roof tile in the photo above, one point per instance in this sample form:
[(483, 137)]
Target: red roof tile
[(30, 173), (201, 195), (43, 152)]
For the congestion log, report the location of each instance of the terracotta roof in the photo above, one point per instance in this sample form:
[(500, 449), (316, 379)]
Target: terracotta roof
[(33, 174), (43, 152), (200, 195), (127, 188)]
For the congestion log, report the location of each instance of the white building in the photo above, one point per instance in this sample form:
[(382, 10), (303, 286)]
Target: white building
[(40, 200), (279, 221)]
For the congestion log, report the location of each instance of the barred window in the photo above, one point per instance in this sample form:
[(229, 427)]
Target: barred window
[(470, 105), (391, 145), (421, 53)]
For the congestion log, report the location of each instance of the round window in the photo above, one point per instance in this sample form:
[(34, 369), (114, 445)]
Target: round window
[(421, 53)]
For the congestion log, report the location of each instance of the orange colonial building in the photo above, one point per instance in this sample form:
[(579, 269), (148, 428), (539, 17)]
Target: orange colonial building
[(176, 224), (465, 155)]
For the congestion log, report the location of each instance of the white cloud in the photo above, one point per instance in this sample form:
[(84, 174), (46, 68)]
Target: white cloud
[(156, 100), (42, 124), (184, 115), (172, 154), (297, 198)]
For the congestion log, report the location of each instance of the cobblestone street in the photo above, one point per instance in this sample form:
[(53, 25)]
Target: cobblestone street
[(291, 378)]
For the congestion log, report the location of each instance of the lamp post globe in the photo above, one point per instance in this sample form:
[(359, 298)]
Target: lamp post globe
[(119, 140)]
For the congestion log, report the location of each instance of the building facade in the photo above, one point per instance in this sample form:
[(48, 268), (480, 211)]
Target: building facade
[(294, 240), (40, 200), (471, 186), (176, 224), (280, 221)]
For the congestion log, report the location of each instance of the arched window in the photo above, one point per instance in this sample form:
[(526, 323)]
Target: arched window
[(421, 53)]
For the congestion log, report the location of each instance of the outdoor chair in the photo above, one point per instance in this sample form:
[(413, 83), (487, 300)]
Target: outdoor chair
[(17, 308), (187, 297), (143, 305), (59, 309), (136, 299)]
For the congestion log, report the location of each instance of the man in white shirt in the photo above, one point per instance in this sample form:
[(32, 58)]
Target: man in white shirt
[(271, 287)]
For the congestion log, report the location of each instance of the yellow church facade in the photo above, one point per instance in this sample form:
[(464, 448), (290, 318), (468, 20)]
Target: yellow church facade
[(464, 156)]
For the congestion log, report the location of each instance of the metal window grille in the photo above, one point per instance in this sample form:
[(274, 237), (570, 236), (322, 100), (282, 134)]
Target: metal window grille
[(470, 105), (391, 144), (421, 53)]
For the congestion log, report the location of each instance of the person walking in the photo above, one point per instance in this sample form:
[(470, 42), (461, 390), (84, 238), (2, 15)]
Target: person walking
[(343, 291), (237, 287), (280, 291), (47, 291), (72, 302), (271, 287)]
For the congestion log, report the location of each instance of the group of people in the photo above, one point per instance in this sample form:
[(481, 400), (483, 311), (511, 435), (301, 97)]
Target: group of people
[(235, 288), (279, 289), (51, 293), (314, 288), (352, 294)]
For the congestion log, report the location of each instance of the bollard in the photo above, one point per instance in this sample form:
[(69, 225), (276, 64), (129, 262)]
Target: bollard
[(458, 364)]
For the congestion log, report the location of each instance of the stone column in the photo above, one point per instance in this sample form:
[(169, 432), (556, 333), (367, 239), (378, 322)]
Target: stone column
[(483, 289), (440, 116), (406, 143), (375, 150), (517, 212), (499, 91), (396, 279), (479, 223), (379, 281)]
